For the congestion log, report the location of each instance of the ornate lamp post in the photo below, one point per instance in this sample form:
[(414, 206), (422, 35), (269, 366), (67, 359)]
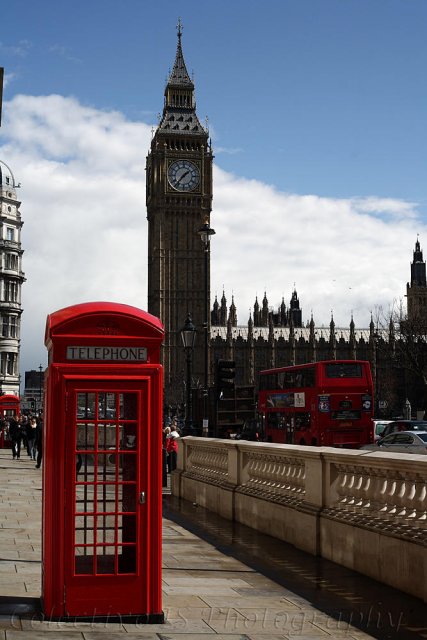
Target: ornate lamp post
[(188, 336), (205, 233)]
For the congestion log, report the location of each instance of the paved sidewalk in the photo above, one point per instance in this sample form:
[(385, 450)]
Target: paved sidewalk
[(206, 593)]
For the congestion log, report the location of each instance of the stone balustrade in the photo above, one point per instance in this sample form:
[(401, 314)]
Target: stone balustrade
[(364, 510)]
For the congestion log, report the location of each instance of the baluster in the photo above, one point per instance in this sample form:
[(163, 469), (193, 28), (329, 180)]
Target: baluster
[(357, 491), (411, 481), (351, 489), (402, 490), (300, 480), (389, 508), (343, 479), (271, 468), (275, 476), (287, 478), (365, 495), (420, 502), (282, 478), (294, 479), (379, 483)]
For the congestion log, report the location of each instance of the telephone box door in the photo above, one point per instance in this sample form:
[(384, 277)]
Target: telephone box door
[(106, 548)]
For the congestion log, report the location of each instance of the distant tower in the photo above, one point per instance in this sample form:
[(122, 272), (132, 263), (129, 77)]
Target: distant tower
[(11, 279), (416, 290), (294, 310), (179, 202)]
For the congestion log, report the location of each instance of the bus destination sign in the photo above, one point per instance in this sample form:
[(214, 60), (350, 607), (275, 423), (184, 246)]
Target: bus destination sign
[(117, 354)]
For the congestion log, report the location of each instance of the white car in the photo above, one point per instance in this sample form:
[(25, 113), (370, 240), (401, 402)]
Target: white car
[(379, 426), (401, 442)]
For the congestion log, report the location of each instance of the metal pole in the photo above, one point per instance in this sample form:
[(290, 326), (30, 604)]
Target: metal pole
[(40, 387), (206, 327), (189, 412), (205, 233)]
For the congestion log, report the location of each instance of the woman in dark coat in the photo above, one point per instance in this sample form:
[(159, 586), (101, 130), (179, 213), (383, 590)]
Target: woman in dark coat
[(15, 434)]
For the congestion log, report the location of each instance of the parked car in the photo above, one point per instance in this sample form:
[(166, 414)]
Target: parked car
[(379, 426), (404, 425), (401, 442)]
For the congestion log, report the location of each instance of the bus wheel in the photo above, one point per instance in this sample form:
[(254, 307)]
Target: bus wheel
[(302, 441), (314, 442)]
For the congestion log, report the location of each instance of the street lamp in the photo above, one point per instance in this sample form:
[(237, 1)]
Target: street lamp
[(205, 233), (188, 336)]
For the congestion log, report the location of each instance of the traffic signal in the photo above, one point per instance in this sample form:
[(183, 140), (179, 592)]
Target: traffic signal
[(224, 375)]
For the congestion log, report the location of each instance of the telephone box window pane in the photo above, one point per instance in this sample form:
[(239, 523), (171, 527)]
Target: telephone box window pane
[(128, 528), (84, 530), (127, 469), (106, 529), (84, 468), (127, 559), (128, 440), (86, 403), (107, 466), (127, 498), (85, 437), (84, 498), (107, 406), (106, 436), (106, 501), (128, 406), (105, 559), (83, 561)]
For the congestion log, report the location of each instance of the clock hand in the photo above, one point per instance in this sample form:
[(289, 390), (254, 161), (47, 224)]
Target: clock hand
[(183, 176)]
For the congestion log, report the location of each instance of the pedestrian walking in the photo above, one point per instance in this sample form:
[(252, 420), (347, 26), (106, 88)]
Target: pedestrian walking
[(15, 434), (172, 447), (31, 429), (39, 441)]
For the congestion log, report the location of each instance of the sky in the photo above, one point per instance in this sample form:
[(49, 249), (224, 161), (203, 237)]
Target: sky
[(317, 114)]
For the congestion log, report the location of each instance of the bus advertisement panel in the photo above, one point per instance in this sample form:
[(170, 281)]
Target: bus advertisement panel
[(328, 403)]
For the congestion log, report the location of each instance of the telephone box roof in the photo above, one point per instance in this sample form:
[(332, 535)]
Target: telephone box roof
[(60, 321)]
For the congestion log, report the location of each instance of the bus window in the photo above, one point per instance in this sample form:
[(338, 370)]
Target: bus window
[(343, 370), (276, 420), (302, 421)]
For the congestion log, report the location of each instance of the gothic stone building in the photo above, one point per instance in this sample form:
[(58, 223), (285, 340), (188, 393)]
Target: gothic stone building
[(179, 202)]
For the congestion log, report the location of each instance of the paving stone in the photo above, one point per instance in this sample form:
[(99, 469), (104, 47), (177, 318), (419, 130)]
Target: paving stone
[(206, 593)]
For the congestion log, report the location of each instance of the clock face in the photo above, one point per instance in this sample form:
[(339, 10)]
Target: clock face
[(183, 175)]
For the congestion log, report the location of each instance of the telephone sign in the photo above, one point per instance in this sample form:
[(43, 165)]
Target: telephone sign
[(118, 354)]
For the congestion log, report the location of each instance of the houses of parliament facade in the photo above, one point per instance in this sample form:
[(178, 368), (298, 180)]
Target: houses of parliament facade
[(179, 191)]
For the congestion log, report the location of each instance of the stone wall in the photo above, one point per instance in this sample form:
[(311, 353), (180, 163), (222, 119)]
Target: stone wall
[(364, 510)]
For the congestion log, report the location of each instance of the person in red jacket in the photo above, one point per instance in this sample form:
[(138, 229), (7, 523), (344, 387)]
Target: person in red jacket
[(172, 447)]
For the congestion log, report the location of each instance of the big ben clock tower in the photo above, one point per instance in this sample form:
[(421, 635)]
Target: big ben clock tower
[(179, 202)]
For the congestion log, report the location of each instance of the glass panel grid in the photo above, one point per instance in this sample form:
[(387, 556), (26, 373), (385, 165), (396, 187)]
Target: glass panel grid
[(106, 519)]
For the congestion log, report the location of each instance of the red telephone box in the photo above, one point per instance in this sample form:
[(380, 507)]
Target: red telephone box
[(9, 406), (102, 464)]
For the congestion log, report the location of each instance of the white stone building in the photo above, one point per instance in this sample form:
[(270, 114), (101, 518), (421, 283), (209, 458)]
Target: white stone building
[(11, 279)]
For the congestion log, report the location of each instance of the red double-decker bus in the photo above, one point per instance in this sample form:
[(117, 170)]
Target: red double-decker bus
[(328, 403)]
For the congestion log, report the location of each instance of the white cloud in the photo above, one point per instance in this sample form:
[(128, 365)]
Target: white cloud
[(8, 78), (85, 232), (20, 49)]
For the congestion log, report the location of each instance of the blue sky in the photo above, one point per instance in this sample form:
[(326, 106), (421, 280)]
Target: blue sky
[(325, 97), (317, 115)]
